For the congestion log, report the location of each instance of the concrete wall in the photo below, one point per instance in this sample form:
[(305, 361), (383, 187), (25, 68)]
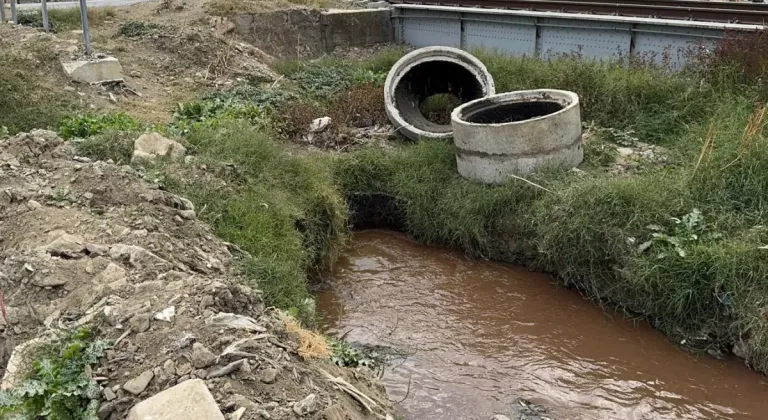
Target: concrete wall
[(311, 33)]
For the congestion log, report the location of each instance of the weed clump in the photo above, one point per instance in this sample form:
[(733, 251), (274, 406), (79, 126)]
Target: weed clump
[(134, 29), (58, 386), (82, 126)]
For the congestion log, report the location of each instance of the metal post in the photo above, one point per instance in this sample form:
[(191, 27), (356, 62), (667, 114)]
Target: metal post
[(84, 21), (44, 6), (14, 18), (2, 11)]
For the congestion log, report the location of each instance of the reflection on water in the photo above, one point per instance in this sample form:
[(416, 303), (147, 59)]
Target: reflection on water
[(479, 334)]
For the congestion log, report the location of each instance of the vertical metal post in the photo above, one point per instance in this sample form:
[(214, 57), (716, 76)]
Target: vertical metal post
[(44, 6), (14, 18), (84, 21), (2, 11)]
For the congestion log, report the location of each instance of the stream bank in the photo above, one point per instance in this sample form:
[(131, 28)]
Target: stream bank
[(474, 336)]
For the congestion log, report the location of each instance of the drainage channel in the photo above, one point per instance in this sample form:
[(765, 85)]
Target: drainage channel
[(477, 335)]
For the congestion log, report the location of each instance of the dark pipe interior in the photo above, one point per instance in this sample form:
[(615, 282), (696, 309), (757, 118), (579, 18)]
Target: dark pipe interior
[(431, 78), (511, 112)]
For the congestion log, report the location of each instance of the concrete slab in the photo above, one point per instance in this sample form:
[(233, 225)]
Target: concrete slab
[(189, 400), (94, 71)]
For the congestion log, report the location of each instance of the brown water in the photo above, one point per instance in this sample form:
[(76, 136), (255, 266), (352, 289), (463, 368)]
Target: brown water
[(480, 334)]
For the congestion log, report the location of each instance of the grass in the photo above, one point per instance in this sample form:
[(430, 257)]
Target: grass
[(66, 19), (284, 210), (29, 100)]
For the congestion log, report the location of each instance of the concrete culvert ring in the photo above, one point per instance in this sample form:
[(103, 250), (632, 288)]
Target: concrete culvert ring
[(426, 74), (517, 133)]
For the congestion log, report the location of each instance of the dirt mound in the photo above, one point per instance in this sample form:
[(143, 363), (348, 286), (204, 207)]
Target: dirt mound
[(92, 243)]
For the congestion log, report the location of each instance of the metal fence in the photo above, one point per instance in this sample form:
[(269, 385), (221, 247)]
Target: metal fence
[(547, 34)]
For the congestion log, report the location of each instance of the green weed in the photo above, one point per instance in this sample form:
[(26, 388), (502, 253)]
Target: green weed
[(109, 144), (86, 125), (58, 386)]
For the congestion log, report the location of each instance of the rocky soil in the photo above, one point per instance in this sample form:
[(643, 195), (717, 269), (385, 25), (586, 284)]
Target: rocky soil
[(93, 243)]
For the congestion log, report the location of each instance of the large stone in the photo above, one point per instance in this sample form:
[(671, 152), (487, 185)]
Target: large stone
[(94, 71), (202, 357), (150, 146), (111, 274), (64, 244), (306, 406), (189, 400), (138, 384)]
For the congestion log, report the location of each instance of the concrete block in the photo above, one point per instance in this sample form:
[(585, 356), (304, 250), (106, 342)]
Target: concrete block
[(94, 71), (189, 400)]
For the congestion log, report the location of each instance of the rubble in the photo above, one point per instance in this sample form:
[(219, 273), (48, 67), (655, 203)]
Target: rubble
[(94, 71), (189, 400), (151, 146), (115, 270)]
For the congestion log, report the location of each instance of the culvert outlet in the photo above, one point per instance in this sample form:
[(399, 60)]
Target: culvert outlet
[(428, 73), (517, 133)]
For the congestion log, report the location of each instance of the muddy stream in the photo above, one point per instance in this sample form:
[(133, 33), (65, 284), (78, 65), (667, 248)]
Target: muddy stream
[(480, 334)]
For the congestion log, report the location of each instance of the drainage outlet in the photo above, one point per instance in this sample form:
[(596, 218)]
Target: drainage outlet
[(517, 133), (424, 86)]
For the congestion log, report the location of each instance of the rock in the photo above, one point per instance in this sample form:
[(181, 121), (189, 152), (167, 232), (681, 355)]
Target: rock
[(334, 412), (137, 256), (106, 410), (33, 205), (499, 417), (135, 73), (96, 249), (169, 368), (740, 349), (49, 280), (202, 357), (109, 395), (242, 401), (187, 214), (94, 71), (625, 151), (150, 146), (166, 314), (268, 376), (319, 124), (224, 319), (237, 414), (111, 274), (183, 368), (138, 384), (139, 323), (306, 406), (64, 245), (189, 400)]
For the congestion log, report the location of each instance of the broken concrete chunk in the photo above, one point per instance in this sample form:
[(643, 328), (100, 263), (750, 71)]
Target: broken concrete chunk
[(189, 400), (202, 357), (150, 146), (111, 274), (166, 314), (306, 406), (269, 376), (240, 322), (64, 245), (96, 249), (319, 124), (94, 71), (138, 384), (137, 256), (20, 363)]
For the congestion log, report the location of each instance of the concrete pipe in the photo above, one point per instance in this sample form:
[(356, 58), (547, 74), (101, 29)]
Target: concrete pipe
[(424, 73), (517, 133)]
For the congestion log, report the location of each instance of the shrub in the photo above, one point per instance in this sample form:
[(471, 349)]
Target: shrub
[(134, 29)]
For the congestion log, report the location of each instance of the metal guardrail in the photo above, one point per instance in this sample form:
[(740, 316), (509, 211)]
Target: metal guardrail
[(46, 23), (548, 34), (716, 11)]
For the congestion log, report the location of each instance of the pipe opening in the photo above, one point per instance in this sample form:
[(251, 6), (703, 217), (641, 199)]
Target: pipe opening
[(429, 79), (511, 112)]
